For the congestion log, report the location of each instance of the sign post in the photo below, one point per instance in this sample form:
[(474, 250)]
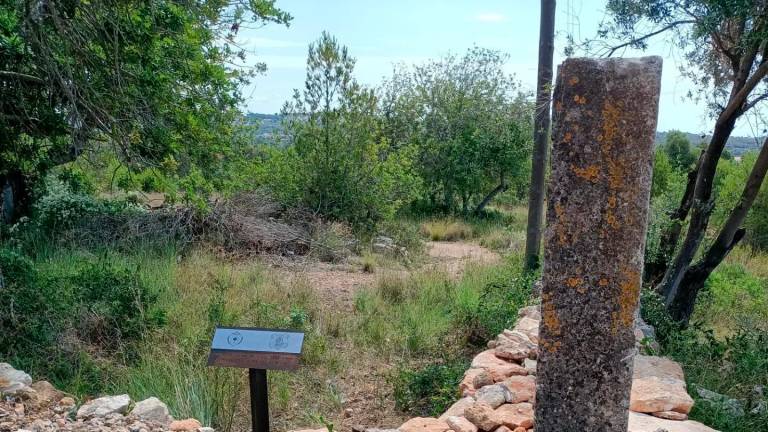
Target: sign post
[(257, 350)]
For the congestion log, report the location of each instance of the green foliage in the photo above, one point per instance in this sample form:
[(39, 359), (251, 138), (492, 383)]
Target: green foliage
[(59, 312), (730, 181), (678, 149), (428, 390), (499, 302), (662, 173), (469, 121), (338, 164), (151, 83), (733, 365)]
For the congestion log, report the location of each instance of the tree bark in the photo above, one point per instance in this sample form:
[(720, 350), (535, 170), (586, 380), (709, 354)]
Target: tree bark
[(541, 134), (503, 186), (682, 304), (701, 209), (654, 270)]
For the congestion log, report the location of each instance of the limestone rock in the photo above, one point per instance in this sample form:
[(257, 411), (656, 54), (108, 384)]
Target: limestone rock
[(670, 415), (152, 409), (521, 388), (655, 394), (529, 327), (104, 406), (457, 409), (467, 384), (734, 407), (646, 423), (483, 416), (12, 380), (46, 393), (482, 379), (185, 425), (424, 424), (530, 366), (516, 415), (493, 395), (533, 312), (460, 424), (653, 366), (498, 368)]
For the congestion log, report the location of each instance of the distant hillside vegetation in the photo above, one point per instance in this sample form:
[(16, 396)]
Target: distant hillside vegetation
[(736, 145), (270, 127)]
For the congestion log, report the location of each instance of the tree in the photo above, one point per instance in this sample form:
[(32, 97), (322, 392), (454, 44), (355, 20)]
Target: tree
[(154, 83), (469, 122), (339, 162), (725, 43), (541, 134), (678, 148)]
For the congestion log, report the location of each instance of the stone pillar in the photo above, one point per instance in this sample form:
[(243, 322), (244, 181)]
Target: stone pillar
[(604, 124)]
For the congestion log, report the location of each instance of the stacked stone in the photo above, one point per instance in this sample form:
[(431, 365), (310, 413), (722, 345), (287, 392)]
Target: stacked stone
[(27, 406), (499, 389)]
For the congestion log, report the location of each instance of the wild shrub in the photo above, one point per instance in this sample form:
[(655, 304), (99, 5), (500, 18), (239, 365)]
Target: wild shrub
[(57, 316), (430, 389), (735, 366), (446, 230), (499, 301)]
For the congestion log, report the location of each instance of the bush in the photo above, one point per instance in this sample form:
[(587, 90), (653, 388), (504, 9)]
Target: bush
[(446, 230), (735, 366), (428, 390), (57, 316)]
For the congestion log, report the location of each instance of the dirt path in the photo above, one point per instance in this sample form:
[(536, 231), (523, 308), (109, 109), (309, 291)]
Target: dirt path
[(365, 383), (336, 285)]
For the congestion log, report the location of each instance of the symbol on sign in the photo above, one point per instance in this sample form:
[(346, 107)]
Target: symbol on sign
[(235, 339), (278, 341)]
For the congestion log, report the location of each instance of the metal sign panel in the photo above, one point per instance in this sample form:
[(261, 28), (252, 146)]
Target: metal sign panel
[(256, 348)]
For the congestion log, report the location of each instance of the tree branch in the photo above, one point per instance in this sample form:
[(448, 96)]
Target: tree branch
[(21, 76), (649, 35)]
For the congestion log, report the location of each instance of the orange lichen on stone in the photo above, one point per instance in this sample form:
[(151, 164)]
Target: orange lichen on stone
[(549, 315), (581, 100), (590, 173), (568, 137), (628, 298), (573, 282), (559, 106), (562, 236), (602, 282), (573, 80), (610, 121)]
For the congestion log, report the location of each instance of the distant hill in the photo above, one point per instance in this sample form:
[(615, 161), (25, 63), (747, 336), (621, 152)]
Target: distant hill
[(736, 145), (270, 127)]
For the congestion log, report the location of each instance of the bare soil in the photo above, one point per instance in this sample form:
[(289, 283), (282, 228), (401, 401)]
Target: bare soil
[(365, 384)]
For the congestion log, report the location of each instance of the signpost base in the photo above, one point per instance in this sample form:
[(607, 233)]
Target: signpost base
[(259, 400)]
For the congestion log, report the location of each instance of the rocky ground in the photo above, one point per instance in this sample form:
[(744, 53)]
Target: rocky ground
[(27, 406), (498, 390)]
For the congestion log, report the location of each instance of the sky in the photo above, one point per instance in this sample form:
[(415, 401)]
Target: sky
[(380, 34)]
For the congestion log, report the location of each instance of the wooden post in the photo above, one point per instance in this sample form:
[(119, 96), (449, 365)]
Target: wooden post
[(604, 124)]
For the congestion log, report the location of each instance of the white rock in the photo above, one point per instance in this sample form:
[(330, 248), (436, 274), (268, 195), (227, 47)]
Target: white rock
[(12, 380), (104, 406), (645, 423), (152, 409)]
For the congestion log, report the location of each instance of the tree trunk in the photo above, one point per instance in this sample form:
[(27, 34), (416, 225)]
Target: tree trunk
[(16, 196), (682, 304), (654, 270), (701, 209), (541, 134), (503, 186)]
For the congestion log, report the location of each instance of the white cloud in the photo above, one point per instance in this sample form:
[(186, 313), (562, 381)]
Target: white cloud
[(490, 17)]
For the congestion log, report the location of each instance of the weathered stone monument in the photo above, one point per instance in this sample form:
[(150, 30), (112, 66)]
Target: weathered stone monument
[(604, 123)]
